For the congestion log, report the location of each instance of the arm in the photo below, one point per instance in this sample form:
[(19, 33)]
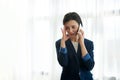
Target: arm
[(61, 49), (61, 53), (87, 55), (88, 58)]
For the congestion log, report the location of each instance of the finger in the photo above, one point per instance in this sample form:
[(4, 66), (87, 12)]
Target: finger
[(64, 29), (61, 30), (82, 31), (79, 32), (65, 32)]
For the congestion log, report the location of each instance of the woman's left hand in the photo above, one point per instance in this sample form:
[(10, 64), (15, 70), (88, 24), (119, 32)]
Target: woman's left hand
[(80, 36)]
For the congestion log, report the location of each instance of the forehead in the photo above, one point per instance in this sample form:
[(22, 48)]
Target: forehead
[(71, 22)]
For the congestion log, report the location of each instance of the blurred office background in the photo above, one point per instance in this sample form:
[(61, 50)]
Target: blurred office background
[(29, 29)]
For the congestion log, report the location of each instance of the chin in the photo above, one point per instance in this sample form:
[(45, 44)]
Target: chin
[(72, 35)]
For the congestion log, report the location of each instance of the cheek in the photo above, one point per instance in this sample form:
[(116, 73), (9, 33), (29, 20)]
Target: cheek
[(75, 30), (78, 29)]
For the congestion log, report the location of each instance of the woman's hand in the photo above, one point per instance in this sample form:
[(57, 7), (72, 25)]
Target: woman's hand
[(81, 41), (81, 36), (64, 35)]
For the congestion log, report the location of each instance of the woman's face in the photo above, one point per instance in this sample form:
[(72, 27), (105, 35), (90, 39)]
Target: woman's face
[(71, 27)]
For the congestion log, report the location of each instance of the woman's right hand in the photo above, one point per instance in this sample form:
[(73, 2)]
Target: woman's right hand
[(64, 35)]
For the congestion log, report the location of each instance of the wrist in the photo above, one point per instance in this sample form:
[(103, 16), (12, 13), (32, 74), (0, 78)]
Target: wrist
[(81, 42), (63, 43), (63, 40)]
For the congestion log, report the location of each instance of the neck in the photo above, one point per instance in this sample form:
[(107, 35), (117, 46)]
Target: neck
[(74, 38)]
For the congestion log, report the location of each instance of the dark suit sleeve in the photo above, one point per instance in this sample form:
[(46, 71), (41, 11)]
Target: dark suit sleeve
[(61, 56), (89, 61)]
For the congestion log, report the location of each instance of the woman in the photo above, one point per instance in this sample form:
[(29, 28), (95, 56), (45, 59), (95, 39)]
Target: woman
[(74, 52)]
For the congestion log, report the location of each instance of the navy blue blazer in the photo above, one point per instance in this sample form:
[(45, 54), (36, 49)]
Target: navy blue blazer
[(73, 65)]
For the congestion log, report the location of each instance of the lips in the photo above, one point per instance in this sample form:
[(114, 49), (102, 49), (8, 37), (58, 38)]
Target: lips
[(72, 34)]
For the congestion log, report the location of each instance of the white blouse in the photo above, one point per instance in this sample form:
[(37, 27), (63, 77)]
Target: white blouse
[(75, 44)]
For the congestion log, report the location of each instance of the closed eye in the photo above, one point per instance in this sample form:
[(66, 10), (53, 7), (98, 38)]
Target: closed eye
[(67, 28), (73, 27)]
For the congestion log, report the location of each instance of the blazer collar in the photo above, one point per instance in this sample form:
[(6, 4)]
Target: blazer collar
[(72, 47)]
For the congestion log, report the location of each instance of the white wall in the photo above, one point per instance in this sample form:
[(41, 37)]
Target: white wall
[(29, 29), (15, 40)]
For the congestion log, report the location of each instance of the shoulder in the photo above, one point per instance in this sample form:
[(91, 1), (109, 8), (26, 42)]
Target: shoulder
[(88, 42), (57, 42)]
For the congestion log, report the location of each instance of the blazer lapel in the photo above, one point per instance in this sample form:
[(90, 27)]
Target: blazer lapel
[(71, 47), (79, 50)]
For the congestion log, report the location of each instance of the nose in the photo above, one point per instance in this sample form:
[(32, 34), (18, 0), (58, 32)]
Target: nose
[(71, 31)]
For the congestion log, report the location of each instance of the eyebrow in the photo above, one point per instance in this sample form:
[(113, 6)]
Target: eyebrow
[(66, 26)]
